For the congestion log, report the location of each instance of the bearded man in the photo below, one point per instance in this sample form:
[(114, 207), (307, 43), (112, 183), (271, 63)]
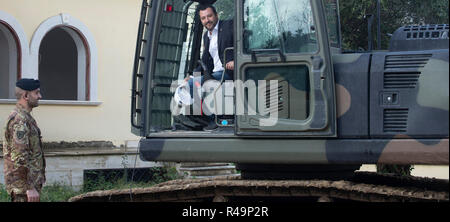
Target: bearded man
[(24, 162)]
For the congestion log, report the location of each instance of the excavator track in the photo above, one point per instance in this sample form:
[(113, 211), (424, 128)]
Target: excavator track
[(362, 187)]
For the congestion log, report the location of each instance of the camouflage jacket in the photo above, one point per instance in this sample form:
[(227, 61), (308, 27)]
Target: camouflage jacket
[(24, 162)]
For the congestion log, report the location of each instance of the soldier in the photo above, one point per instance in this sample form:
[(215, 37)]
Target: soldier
[(24, 163)]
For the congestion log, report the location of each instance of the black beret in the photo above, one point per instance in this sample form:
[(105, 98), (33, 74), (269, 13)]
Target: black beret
[(28, 84)]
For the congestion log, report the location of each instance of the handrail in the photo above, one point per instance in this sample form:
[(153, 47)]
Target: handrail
[(137, 58)]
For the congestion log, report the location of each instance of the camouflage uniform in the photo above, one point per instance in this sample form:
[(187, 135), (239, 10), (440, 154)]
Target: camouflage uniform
[(24, 162)]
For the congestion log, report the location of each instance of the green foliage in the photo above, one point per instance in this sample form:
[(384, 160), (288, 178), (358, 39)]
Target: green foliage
[(117, 180), (103, 182), (57, 193), (61, 193), (394, 14), (50, 193), (4, 197)]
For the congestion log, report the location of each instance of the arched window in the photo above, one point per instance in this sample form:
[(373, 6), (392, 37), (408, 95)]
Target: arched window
[(14, 55), (60, 68), (64, 54), (9, 62)]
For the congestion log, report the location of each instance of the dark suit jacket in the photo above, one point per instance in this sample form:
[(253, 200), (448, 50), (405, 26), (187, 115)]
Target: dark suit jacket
[(225, 40)]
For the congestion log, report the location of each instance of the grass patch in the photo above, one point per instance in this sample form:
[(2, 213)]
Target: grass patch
[(125, 178), (62, 193), (57, 193), (50, 193)]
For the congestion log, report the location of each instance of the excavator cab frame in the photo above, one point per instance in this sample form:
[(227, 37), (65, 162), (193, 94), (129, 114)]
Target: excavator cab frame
[(284, 89)]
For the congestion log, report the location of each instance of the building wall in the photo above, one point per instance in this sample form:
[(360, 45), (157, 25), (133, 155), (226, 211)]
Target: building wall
[(113, 25), (68, 166)]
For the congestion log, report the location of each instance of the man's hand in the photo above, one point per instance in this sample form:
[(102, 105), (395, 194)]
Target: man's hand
[(230, 65), (33, 195)]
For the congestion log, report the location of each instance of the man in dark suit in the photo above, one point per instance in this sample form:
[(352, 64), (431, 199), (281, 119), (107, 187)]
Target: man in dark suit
[(218, 37)]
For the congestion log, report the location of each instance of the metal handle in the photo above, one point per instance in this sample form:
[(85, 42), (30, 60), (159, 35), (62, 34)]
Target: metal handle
[(267, 51), (221, 79)]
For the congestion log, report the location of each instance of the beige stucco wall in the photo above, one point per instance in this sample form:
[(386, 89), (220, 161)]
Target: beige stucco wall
[(113, 24)]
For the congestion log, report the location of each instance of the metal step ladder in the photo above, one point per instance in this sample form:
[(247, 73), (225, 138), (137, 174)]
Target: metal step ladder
[(141, 66)]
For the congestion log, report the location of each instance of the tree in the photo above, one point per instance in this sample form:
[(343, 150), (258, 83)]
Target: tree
[(394, 14)]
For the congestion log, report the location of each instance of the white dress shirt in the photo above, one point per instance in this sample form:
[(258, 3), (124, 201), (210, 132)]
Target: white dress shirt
[(214, 48)]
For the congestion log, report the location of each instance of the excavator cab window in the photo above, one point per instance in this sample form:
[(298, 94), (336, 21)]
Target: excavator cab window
[(332, 16), (284, 25)]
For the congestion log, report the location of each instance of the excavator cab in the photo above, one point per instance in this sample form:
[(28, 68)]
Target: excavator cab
[(283, 77)]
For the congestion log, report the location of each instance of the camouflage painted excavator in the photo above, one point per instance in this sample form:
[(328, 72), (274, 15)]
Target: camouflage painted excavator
[(301, 115)]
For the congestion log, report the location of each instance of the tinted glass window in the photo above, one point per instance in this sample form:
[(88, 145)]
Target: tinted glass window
[(291, 99), (331, 12), (225, 9), (287, 25)]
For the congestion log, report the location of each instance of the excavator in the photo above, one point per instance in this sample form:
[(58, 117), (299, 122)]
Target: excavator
[(300, 116)]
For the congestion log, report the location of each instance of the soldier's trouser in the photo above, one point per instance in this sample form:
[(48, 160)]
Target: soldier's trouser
[(19, 197)]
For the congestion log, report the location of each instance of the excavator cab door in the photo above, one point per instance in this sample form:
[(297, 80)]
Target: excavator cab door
[(284, 80), (158, 64)]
